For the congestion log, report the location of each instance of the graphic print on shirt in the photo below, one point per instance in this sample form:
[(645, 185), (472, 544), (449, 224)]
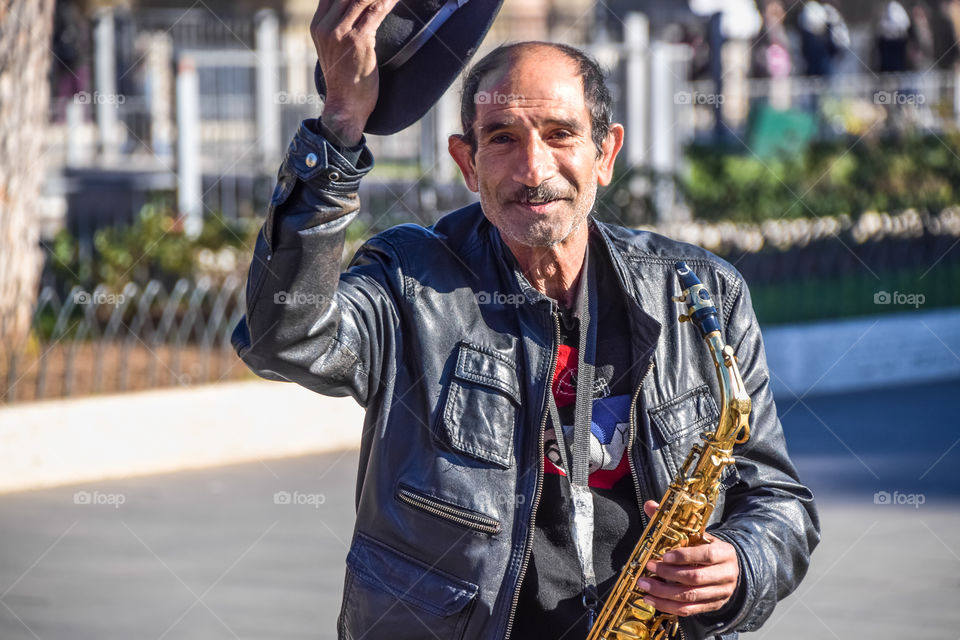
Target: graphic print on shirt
[(609, 425)]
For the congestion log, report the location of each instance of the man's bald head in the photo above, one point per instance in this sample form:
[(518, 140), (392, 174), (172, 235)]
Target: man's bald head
[(596, 95)]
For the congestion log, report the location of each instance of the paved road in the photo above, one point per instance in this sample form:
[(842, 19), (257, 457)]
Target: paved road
[(211, 554)]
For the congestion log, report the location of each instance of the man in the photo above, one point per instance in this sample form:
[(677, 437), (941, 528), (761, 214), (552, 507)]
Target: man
[(462, 339)]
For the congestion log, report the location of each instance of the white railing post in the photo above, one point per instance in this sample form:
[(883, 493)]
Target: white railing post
[(636, 35), (668, 104), (956, 95), (158, 65), (189, 168), (426, 188), (76, 131), (104, 97), (268, 86)]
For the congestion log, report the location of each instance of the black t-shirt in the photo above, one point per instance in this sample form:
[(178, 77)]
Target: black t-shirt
[(550, 604)]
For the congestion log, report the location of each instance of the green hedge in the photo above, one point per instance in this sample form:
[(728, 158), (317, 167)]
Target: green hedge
[(842, 176), (854, 294)]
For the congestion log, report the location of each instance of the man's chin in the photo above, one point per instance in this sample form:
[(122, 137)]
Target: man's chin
[(540, 236)]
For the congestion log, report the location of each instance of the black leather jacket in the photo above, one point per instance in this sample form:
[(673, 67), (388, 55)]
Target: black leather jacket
[(431, 330)]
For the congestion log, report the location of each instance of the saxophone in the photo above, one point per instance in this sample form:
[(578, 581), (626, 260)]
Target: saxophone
[(686, 507)]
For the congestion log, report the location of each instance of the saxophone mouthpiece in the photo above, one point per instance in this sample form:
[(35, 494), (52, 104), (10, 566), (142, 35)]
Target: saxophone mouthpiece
[(700, 305)]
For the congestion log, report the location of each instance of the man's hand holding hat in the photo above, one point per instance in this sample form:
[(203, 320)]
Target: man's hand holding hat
[(345, 34)]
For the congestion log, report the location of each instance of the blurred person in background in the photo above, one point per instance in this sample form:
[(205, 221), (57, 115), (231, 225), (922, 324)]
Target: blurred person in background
[(772, 50), (921, 45), (893, 29), (947, 31), (823, 37), (71, 47)]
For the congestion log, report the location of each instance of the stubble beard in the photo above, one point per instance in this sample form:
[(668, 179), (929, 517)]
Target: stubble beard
[(543, 233)]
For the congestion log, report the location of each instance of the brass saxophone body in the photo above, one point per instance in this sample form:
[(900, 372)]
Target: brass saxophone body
[(685, 508)]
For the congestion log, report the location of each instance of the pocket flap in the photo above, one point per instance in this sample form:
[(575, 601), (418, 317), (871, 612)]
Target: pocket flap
[(412, 581), (489, 368), (692, 411)]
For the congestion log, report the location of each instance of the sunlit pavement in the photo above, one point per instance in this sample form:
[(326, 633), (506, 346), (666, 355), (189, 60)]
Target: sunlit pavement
[(257, 550)]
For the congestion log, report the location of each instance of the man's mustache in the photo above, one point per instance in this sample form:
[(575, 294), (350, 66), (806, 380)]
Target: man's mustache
[(543, 192)]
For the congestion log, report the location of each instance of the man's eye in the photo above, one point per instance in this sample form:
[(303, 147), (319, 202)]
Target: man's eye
[(561, 134), (500, 139)]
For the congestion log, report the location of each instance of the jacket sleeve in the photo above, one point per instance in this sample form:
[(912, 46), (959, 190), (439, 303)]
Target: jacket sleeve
[(306, 322), (769, 515)]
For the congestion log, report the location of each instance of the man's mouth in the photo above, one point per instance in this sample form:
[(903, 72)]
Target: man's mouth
[(539, 206)]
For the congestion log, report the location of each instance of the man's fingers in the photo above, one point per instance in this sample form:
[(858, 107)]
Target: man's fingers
[(340, 17), (371, 19), (693, 575), (326, 16), (685, 609), (650, 507), (714, 552), (682, 593)]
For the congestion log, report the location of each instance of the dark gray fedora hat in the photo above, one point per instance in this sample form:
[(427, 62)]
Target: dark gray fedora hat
[(421, 47)]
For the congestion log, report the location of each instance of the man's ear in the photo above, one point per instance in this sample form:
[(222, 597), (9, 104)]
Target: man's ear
[(609, 149), (462, 154)]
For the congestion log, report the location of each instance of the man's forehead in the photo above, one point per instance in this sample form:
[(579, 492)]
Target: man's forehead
[(540, 85), (538, 70)]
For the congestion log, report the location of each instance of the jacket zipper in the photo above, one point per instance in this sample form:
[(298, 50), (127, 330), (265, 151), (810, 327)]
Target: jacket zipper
[(644, 521), (632, 435), (459, 515), (536, 497)]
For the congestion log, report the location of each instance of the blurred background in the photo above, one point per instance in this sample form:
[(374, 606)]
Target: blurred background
[(814, 145)]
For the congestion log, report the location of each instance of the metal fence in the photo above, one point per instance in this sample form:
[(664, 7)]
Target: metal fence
[(139, 338)]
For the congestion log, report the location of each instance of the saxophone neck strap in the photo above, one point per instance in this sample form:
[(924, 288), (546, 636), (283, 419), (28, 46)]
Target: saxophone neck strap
[(578, 473)]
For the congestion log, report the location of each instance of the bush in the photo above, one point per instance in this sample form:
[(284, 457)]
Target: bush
[(843, 176), (155, 246)]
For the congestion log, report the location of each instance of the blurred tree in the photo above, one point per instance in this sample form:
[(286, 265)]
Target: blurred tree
[(25, 35)]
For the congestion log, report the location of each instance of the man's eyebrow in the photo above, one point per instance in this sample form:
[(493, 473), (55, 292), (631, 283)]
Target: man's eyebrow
[(566, 123)]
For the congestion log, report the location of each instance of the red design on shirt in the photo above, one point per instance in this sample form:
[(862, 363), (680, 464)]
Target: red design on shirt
[(565, 376)]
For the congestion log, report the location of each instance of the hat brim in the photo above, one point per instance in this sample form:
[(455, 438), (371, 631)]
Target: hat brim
[(408, 92)]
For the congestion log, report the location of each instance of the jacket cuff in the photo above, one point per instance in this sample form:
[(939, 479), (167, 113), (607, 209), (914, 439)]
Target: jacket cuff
[(320, 165)]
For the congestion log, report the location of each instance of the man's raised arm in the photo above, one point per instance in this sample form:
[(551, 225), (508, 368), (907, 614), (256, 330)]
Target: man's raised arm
[(305, 323)]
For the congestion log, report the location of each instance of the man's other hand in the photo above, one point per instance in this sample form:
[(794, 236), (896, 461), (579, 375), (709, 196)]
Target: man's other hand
[(692, 580)]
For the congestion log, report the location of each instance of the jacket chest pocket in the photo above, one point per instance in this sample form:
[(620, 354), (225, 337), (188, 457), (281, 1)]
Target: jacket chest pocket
[(481, 402), (679, 423), (390, 595)]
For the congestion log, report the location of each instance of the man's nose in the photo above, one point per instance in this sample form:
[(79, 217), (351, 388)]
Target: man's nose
[(534, 162)]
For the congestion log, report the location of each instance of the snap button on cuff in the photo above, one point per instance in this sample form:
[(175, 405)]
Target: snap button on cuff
[(333, 176)]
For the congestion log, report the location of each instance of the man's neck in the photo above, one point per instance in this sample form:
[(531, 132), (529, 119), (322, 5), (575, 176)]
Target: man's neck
[(554, 271)]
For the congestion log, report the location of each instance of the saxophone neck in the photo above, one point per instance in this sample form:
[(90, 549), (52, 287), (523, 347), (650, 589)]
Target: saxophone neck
[(735, 404)]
